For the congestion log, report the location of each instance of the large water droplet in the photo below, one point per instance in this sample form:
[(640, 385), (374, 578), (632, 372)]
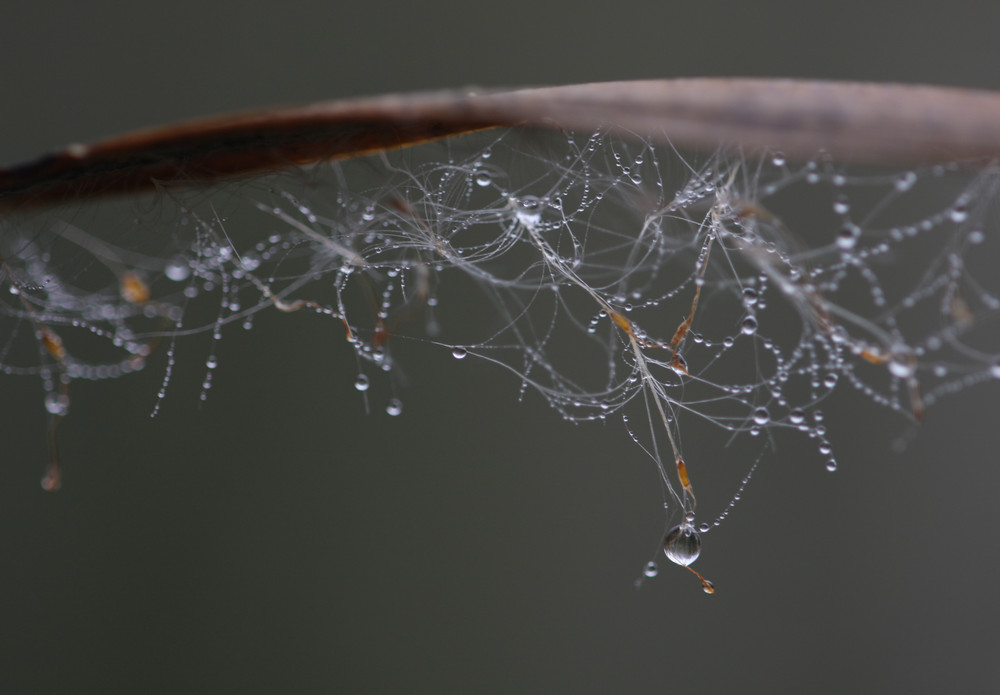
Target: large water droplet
[(761, 416), (362, 382), (394, 407), (682, 545), (459, 353)]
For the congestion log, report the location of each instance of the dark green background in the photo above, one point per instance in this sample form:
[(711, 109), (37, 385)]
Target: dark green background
[(277, 539)]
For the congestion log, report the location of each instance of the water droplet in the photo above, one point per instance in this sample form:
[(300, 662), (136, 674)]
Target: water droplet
[(905, 181), (902, 365), (749, 296), (57, 403), (682, 545), (704, 528), (958, 214), (362, 382), (848, 236), (830, 380), (831, 465), (976, 236), (52, 480), (650, 570), (841, 205), (761, 416), (749, 325), (250, 261), (459, 353), (394, 407), (796, 417), (778, 159), (529, 209), (177, 269)]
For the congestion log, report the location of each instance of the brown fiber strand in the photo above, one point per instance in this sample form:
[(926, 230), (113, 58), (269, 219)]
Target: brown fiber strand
[(878, 124)]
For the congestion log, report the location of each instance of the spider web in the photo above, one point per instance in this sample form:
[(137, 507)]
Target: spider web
[(616, 279)]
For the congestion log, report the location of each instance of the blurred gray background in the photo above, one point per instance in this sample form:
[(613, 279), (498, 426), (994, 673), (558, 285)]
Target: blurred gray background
[(277, 539)]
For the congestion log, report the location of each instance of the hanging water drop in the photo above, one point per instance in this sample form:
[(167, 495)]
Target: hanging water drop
[(459, 353), (650, 570), (761, 416), (394, 407), (362, 382), (682, 545)]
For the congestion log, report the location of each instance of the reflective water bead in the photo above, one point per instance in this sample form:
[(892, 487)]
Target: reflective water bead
[(682, 545), (650, 570), (394, 407), (848, 236), (57, 403), (761, 416), (841, 205), (459, 353), (362, 382), (905, 181), (177, 269)]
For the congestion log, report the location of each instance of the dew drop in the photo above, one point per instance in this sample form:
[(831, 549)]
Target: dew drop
[(902, 365), (905, 181), (651, 570), (796, 417), (682, 545), (394, 407), (704, 528), (483, 179), (459, 353), (52, 480), (749, 325), (529, 209), (761, 416), (177, 269), (841, 205), (958, 214), (830, 380), (831, 465), (778, 159), (57, 403), (749, 296), (848, 236), (362, 382)]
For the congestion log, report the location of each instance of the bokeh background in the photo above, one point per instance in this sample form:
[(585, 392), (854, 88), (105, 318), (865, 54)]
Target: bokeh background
[(277, 539)]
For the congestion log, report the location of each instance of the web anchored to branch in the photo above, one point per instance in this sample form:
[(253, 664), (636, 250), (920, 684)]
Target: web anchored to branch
[(619, 279)]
